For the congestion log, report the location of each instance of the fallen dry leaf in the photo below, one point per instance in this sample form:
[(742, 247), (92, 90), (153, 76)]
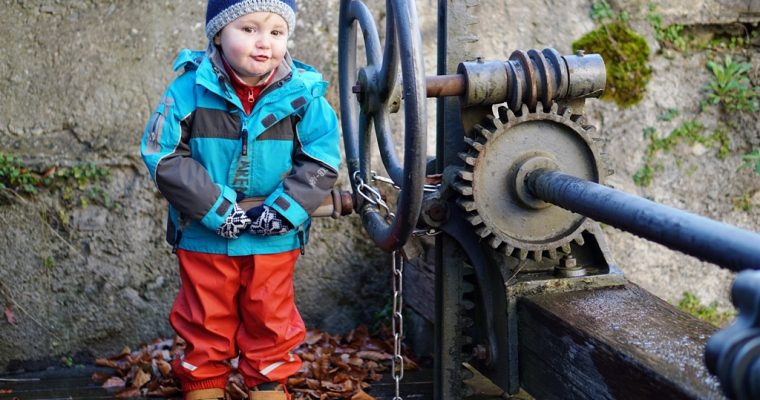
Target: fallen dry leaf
[(334, 367), (361, 395), (9, 315), (113, 382), (140, 379)]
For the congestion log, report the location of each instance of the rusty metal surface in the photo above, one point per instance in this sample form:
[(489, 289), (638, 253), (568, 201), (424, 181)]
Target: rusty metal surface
[(490, 186), (444, 85), (533, 77)]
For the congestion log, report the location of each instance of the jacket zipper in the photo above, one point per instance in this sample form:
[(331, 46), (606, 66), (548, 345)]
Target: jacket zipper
[(300, 235), (176, 241), (245, 140)]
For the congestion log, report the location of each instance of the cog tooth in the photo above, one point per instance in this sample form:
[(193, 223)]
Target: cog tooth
[(579, 239), (509, 250), (468, 205), (466, 175), (483, 131), (483, 231), (468, 159), (553, 254), (555, 108), (524, 110), (463, 188), (567, 112), (566, 248), (523, 254), (494, 121), (538, 255), (495, 242), (474, 144), (590, 129), (475, 219)]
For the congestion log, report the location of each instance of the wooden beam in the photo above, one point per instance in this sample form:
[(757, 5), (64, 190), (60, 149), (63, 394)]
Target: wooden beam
[(611, 343)]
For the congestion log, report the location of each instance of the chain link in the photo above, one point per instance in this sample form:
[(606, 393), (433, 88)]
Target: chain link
[(372, 196), (397, 362)]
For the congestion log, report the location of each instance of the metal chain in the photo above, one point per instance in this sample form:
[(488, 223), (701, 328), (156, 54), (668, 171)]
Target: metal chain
[(379, 178), (397, 362), (372, 196)]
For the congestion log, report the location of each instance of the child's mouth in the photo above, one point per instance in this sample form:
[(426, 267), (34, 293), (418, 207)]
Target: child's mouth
[(260, 58)]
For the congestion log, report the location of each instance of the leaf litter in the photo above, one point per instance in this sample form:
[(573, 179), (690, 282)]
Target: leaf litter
[(334, 367)]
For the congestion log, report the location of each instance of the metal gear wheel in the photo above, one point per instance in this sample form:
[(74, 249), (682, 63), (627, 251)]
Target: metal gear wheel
[(502, 150)]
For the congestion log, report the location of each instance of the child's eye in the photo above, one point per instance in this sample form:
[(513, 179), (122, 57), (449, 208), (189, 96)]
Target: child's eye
[(277, 33), (249, 29)]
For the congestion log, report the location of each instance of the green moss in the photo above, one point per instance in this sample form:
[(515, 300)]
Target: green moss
[(625, 55), (690, 303)]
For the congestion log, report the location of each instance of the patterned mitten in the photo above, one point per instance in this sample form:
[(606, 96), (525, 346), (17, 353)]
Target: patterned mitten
[(235, 223), (265, 221)]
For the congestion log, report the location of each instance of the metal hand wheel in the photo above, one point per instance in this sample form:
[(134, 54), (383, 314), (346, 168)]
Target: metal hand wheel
[(364, 96)]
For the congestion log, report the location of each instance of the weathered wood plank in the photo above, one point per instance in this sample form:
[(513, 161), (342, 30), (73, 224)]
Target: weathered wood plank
[(613, 343)]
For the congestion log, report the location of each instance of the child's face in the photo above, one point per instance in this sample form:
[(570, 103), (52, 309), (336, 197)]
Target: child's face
[(254, 44)]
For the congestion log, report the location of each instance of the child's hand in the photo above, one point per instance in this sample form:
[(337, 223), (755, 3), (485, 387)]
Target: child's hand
[(265, 221), (235, 223)]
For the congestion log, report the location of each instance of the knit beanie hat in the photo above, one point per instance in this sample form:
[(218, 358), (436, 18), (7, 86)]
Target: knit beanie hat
[(219, 13)]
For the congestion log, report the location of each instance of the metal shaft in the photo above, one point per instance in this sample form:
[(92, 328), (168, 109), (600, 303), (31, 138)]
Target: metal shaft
[(722, 244)]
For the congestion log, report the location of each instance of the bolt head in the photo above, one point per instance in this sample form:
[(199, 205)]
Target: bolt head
[(569, 262)]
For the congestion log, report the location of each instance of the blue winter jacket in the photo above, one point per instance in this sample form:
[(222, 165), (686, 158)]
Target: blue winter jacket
[(204, 153)]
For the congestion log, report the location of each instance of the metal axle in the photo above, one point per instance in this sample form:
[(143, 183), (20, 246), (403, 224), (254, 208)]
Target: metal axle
[(722, 244)]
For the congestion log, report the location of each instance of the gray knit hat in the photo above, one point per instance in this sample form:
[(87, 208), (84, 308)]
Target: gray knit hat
[(219, 13)]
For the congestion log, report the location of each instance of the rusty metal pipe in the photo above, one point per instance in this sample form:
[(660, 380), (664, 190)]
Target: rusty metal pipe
[(336, 204), (445, 85)]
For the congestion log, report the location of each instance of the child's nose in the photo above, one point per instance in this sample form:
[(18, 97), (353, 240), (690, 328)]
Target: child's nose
[(262, 42)]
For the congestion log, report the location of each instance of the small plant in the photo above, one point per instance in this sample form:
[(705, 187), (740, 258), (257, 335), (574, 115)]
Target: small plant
[(691, 132), (19, 179), (668, 115), (16, 177), (67, 361), (601, 11), (743, 203), (690, 303), (730, 42), (671, 35), (48, 262), (731, 87), (751, 160)]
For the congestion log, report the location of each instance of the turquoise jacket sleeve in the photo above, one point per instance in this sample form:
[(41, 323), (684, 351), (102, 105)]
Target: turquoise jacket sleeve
[(165, 148)]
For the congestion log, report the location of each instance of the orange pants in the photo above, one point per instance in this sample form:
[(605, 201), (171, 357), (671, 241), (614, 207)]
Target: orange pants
[(229, 306)]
